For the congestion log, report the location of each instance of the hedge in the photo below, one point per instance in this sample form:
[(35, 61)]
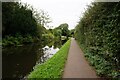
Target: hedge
[(98, 35)]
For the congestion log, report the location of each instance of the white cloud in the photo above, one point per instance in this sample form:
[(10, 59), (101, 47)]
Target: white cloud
[(61, 11)]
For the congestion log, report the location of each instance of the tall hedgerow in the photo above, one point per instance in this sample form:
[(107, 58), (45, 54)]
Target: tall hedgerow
[(98, 34)]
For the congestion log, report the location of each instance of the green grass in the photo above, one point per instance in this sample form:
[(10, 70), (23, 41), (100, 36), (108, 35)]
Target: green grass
[(53, 68)]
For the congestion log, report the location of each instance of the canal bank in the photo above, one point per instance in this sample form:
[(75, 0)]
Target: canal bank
[(22, 59), (53, 68)]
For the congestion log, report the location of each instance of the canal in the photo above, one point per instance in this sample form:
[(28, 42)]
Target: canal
[(17, 62)]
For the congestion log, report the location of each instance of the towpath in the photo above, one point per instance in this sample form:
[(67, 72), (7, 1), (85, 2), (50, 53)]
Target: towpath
[(76, 65)]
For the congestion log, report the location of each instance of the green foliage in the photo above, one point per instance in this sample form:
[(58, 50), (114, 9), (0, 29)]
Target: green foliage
[(10, 40), (57, 32), (71, 33), (42, 17), (17, 40), (0, 42), (52, 68), (103, 67), (28, 39), (47, 37), (62, 31), (22, 19), (98, 32), (18, 19)]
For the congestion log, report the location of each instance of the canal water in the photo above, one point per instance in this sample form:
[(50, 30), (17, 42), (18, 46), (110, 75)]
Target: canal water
[(17, 62)]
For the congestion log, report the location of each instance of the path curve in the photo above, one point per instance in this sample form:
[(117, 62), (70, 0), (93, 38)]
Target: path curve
[(76, 65)]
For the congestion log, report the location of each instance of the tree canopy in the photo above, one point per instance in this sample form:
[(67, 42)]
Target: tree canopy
[(62, 30), (18, 19), (22, 23), (23, 19)]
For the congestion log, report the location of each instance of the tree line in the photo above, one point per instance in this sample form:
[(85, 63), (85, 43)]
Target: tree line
[(21, 24)]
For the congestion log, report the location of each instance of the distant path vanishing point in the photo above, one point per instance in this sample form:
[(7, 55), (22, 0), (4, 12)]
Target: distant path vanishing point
[(76, 65)]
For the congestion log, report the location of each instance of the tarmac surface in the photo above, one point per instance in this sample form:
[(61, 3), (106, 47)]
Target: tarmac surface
[(76, 65)]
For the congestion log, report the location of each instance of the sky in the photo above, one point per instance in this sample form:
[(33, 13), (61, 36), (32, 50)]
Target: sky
[(61, 11)]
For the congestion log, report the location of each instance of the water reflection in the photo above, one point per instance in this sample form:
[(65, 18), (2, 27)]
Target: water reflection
[(19, 61), (49, 51)]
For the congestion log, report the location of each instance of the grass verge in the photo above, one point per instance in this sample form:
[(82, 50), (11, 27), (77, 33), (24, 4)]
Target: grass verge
[(52, 68)]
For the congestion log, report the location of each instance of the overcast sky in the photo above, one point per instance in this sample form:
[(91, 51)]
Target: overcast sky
[(61, 11)]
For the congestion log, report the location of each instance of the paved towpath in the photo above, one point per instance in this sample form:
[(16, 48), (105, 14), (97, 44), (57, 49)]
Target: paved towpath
[(76, 65)]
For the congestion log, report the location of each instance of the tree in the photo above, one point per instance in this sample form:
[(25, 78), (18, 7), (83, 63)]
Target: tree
[(64, 29), (42, 18), (18, 19), (72, 32), (57, 32)]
